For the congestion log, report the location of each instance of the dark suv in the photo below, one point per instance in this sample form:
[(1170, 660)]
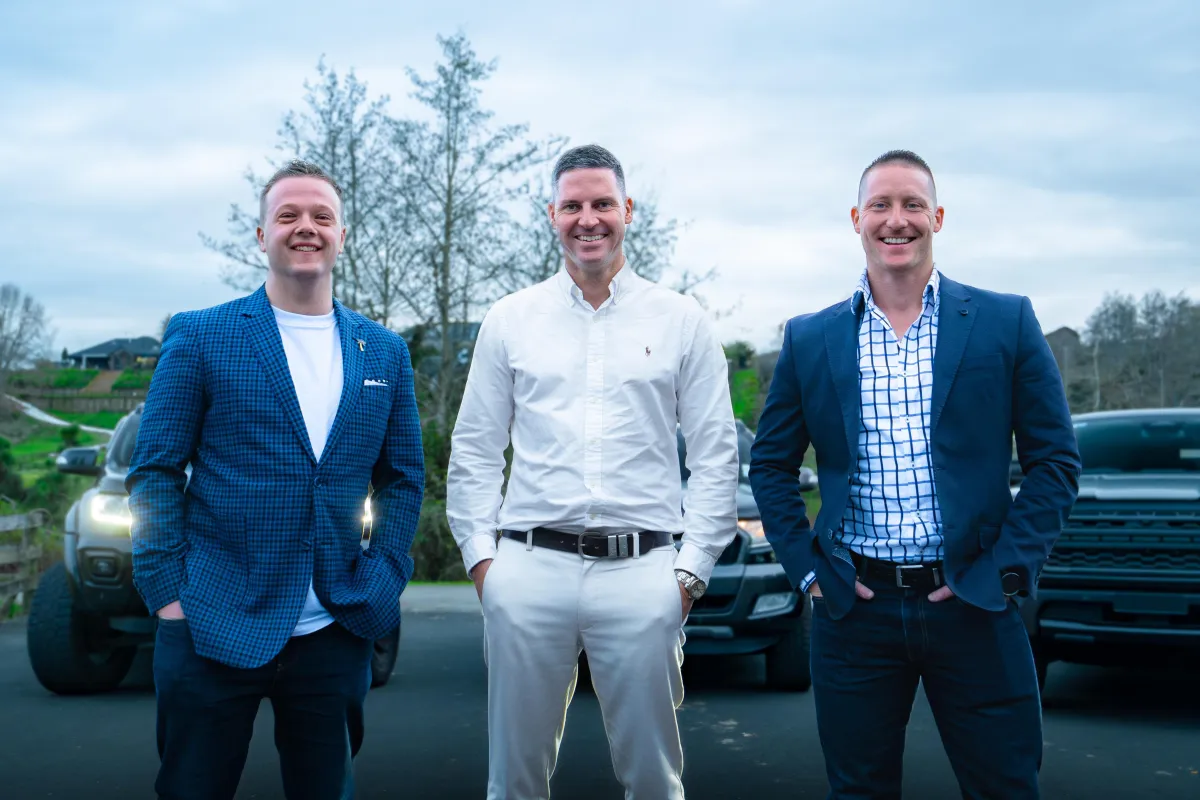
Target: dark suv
[(750, 606), (1123, 580), (87, 619)]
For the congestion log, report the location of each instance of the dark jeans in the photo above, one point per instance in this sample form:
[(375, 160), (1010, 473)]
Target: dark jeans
[(206, 712), (978, 673)]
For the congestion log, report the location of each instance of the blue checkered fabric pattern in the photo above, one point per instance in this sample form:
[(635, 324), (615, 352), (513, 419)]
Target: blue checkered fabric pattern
[(893, 513), (260, 517)]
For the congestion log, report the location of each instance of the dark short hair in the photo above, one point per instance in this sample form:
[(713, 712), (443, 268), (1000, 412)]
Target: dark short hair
[(589, 156), (898, 157), (297, 168)]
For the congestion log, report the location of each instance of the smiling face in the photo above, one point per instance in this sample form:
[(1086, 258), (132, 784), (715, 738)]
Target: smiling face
[(897, 218), (589, 215), (302, 234)]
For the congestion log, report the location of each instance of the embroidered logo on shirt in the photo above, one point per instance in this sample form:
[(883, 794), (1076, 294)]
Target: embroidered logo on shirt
[(647, 351)]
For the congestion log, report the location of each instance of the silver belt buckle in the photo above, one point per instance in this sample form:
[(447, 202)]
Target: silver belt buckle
[(618, 545), (900, 571)]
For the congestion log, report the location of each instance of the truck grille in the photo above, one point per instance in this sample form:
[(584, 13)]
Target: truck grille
[(1129, 536)]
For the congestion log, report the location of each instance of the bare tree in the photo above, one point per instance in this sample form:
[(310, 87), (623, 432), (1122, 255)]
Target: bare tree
[(1144, 353), (24, 331), (459, 176), (346, 134)]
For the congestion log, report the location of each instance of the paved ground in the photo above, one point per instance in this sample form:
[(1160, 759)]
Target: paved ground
[(1109, 733)]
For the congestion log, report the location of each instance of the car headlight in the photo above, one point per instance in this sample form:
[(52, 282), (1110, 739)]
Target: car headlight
[(754, 528), (111, 509)]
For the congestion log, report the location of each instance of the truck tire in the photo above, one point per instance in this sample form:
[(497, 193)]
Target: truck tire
[(383, 658), (67, 648), (788, 667)]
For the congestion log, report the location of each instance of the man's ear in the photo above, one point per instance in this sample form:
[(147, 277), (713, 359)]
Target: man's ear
[(854, 218), (262, 239)]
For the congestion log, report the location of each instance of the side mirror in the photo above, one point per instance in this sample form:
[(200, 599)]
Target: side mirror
[(80, 461)]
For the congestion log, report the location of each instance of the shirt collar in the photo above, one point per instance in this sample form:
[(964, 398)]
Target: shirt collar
[(931, 295), (620, 286)]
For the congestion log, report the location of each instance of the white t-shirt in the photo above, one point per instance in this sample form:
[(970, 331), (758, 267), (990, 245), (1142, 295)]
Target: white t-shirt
[(314, 356)]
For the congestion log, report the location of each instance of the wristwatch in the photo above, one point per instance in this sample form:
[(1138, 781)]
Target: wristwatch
[(1011, 584), (691, 584)]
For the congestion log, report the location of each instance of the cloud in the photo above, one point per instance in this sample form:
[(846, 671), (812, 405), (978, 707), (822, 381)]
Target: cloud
[(1064, 140)]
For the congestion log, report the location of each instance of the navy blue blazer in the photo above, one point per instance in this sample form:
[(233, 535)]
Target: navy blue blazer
[(260, 518), (993, 376)]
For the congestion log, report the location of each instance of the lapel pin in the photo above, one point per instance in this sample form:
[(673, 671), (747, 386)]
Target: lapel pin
[(363, 345)]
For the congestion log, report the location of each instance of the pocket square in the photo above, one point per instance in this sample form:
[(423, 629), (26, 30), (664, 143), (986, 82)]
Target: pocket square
[(370, 382)]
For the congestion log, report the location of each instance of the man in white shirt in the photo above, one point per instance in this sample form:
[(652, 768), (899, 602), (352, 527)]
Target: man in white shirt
[(587, 375)]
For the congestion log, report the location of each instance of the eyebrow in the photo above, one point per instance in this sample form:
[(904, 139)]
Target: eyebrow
[(568, 200), (296, 206)]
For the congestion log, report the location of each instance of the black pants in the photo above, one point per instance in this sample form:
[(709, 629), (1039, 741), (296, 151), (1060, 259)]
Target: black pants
[(206, 712), (978, 673)]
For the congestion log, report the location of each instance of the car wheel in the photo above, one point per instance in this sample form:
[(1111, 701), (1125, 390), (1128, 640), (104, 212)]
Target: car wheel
[(383, 658), (788, 668), (71, 652)]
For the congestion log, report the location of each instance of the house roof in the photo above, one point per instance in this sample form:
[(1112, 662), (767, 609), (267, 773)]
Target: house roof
[(141, 346)]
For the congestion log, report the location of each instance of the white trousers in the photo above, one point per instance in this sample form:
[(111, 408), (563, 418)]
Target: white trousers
[(540, 608)]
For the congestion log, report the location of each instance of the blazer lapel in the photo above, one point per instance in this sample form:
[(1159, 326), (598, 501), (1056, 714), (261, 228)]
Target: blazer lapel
[(353, 354), (956, 317), (263, 332), (841, 344)]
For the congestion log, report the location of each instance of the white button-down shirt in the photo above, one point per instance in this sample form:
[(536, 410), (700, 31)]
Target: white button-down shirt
[(591, 398)]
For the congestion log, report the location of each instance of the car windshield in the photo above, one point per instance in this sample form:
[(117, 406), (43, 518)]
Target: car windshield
[(120, 449), (745, 439), (1139, 444)]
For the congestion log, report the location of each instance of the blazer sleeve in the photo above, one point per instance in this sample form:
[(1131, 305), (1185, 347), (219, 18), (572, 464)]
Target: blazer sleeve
[(1048, 453), (398, 479), (168, 435), (775, 461)]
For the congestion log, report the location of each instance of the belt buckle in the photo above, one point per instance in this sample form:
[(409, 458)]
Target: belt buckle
[(619, 545), (899, 572)]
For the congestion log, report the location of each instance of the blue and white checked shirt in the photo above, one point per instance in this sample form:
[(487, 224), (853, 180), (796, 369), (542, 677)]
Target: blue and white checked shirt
[(892, 513)]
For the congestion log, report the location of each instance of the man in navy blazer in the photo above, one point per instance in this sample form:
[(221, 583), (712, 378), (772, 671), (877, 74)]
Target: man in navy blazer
[(911, 393), (293, 413)]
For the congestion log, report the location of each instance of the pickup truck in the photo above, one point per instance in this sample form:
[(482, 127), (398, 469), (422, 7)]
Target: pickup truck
[(1122, 583)]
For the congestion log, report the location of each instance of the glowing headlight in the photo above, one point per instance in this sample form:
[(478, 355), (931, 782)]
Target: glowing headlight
[(111, 509), (754, 527)]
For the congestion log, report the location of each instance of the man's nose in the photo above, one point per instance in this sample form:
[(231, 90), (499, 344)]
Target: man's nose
[(588, 217)]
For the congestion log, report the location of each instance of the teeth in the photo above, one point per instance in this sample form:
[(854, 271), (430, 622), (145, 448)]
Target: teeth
[(591, 238), (306, 248), (894, 240)]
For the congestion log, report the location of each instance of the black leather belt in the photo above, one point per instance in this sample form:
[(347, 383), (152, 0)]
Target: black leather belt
[(926, 577), (594, 545)]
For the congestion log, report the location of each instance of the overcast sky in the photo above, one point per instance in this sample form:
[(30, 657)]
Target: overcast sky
[(1065, 136)]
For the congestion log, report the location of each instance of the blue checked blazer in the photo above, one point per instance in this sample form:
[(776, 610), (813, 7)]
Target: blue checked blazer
[(994, 378), (260, 518)]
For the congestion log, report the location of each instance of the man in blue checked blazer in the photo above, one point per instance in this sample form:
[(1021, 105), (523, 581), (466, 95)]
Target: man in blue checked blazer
[(911, 393), (291, 411)]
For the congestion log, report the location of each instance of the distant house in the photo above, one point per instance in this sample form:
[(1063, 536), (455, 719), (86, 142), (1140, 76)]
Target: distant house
[(141, 352), (1068, 350)]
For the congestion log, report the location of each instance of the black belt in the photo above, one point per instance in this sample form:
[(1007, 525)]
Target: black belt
[(594, 545), (927, 576)]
